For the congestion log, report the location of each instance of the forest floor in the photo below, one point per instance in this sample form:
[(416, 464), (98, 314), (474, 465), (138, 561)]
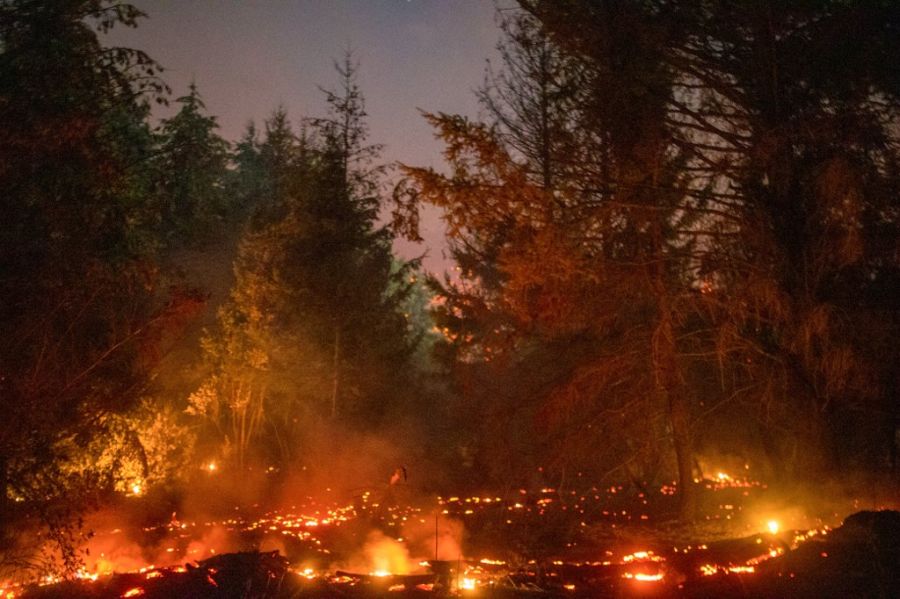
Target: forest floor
[(750, 541)]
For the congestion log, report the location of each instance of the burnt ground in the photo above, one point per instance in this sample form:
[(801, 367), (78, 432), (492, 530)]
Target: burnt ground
[(861, 558)]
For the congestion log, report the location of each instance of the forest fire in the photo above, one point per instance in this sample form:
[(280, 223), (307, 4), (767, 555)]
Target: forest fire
[(310, 536), (657, 355), (371, 541)]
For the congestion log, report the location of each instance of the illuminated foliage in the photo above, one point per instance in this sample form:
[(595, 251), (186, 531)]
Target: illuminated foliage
[(705, 238), (315, 327), (565, 240)]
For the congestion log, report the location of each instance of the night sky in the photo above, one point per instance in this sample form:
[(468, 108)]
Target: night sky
[(249, 56)]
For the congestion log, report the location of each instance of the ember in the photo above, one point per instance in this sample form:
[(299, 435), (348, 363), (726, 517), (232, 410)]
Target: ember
[(645, 566), (644, 577)]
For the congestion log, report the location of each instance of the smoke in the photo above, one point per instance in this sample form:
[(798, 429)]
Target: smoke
[(732, 465), (341, 460), (338, 468), (345, 463), (114, 553), (827, 501), (435, 537), (420, 542), (212, 510), (118, 546), (217, 539)]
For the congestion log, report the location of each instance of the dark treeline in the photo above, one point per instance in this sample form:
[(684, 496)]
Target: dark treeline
[(676, 233)]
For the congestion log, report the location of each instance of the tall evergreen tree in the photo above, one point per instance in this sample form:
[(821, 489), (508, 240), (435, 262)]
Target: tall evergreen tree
[(347, 267), (566, 191), (192, 166), (713, 225), (247, 180), (786, 116), (279, 157)]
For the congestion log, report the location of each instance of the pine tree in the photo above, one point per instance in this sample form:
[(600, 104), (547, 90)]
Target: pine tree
[(247, 181), (278, 155), (192, 165), (578, 195), (782, 113), (344, 271)]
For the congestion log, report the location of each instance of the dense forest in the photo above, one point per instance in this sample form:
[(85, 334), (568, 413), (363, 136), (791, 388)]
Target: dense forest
[(675, 226)]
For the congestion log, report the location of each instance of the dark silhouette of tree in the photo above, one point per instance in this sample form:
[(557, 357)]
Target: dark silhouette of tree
[(247, 181), (81, 314), (786, 115), (279, 155), (192, 165), (798, 112)]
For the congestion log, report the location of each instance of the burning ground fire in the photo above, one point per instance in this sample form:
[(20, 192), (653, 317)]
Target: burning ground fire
[(399, 554), (464, 577)]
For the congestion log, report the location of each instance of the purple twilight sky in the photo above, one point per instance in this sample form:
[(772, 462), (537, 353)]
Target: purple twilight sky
[(249, 56)]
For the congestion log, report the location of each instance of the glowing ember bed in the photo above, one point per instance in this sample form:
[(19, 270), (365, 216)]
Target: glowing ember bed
[(859, 559)]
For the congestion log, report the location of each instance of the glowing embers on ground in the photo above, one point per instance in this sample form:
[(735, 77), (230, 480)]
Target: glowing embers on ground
[(643, 566), (775, 547), (723, 480), (639, 567), (312, 526), (644, 577), (712, 569), (307, 573)]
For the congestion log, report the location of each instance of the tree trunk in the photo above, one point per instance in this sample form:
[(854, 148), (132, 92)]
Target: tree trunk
[(772, 450), (673, 397), (681, 434), (336, 372), (679, 420), (242, 442)]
